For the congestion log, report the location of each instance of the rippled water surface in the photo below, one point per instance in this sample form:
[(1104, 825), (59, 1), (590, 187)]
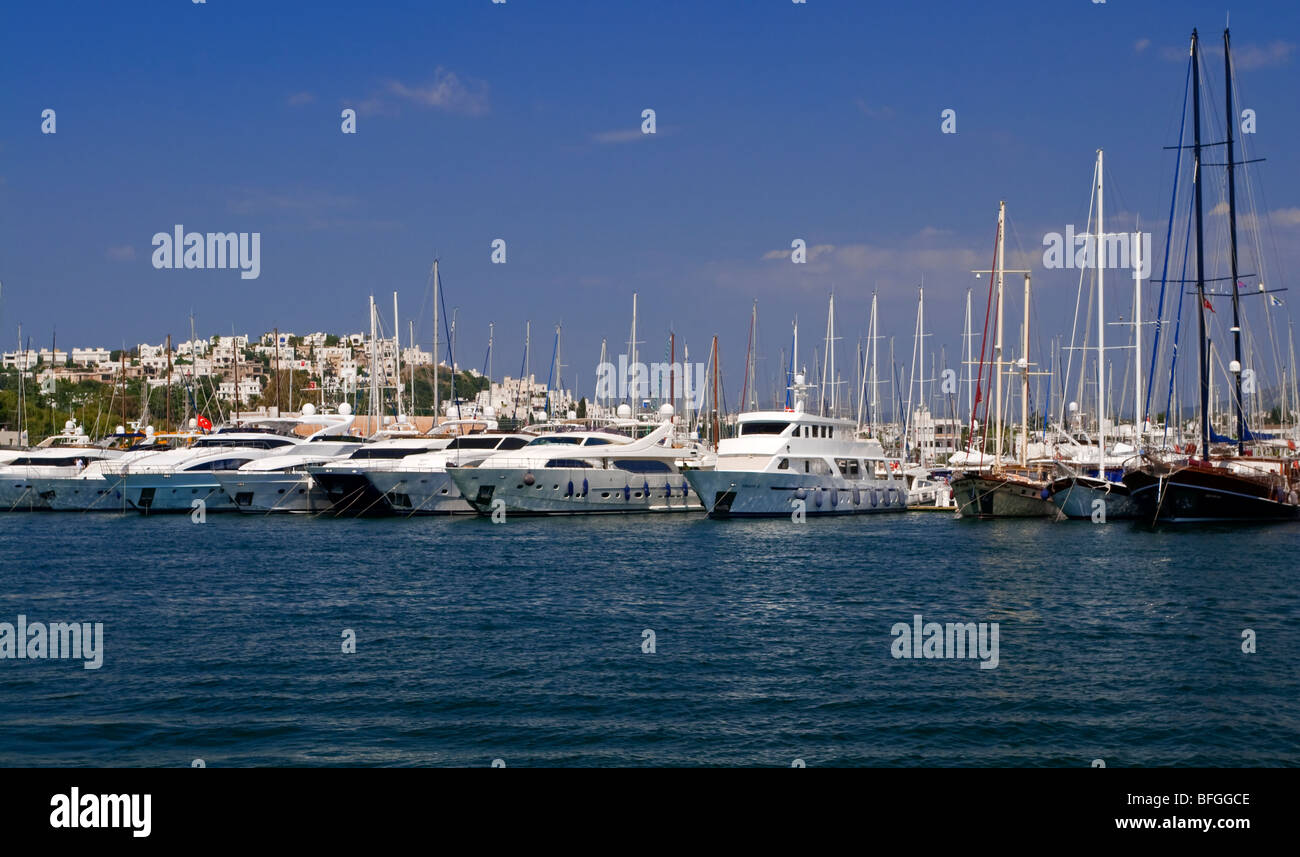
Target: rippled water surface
[(523, 642)]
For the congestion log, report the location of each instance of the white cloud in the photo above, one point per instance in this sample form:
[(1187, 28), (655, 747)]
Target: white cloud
[(447, 91), (1141, 45)]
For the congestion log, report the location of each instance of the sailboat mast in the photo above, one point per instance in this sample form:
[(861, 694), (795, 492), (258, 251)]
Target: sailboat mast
[(1202, 352), (1100, 264), (1024, 382), (1138, 404), (875, 362), (970, 358), (435, 342), (397, 360), (1232, 242), (997, 339)]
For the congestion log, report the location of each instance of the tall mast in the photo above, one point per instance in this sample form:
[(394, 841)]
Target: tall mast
[(1232, 234), (1100, 264), (875, 363), (234, 346), (635, 378), (1202, 351), (1024, 381), (997, 341), (375, 394), (970, 374), (716, 410), (1138, 404), (672, 368), (435, 342), (397, 361), (168, 422)]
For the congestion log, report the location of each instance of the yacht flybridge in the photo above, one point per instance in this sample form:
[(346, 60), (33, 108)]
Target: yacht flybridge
[(783, 458)]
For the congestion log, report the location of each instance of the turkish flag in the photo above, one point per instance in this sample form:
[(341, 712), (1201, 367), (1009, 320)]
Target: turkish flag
[(204, 423)]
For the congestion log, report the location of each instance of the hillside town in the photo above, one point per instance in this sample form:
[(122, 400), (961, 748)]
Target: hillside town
[(225, 375)]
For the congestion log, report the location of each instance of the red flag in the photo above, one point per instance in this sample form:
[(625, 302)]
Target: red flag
[(204, 423), (1210, 308)]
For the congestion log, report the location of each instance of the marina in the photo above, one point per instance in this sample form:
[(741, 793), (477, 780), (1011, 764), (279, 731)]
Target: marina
[(647, 385)]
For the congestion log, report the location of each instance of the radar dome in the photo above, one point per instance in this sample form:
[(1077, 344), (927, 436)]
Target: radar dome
[(194, 424), (121, 429), (148, 429), (625, 411), (665, 410), (798, 379), (1074, 406), (345, 409), (308, 409), (1234, 367)]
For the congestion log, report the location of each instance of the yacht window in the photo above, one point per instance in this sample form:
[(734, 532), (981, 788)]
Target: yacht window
[(566, 462), (643, 465), (784, 465), (512, 443), (806, 466), (597, 441), (541, 441), (763, 428)]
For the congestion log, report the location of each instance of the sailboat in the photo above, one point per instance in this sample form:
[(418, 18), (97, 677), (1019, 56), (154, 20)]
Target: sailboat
[(1237, 486), (1087, 490), (999, 490)]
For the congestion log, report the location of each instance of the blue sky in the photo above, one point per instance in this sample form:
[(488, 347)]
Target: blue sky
[(521, 121)]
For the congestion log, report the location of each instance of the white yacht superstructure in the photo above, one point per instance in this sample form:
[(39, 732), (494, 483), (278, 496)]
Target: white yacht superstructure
[(783, 458), (585, 472), (422, 485), (61, 455), (173, 481)]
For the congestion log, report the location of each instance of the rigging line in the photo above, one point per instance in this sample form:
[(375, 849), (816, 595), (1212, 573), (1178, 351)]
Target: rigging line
[(1178, 327), (979, 395), (1078, 295), (1155, 346)]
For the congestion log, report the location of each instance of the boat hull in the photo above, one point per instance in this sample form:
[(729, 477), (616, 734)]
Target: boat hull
[(351, 494), (18, 494), (981, 496), (1199, 493), (77, 494), (1078, 496), (572, 491), (760, 494), (420, 492), (263, 493), (154, 493)]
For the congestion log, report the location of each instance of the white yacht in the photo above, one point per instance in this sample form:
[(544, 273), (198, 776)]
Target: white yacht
[(93, 488), (283, 482), (421, 484), (782, 457), (585, 472), (61, 455), (345, 481), (171, 481)]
